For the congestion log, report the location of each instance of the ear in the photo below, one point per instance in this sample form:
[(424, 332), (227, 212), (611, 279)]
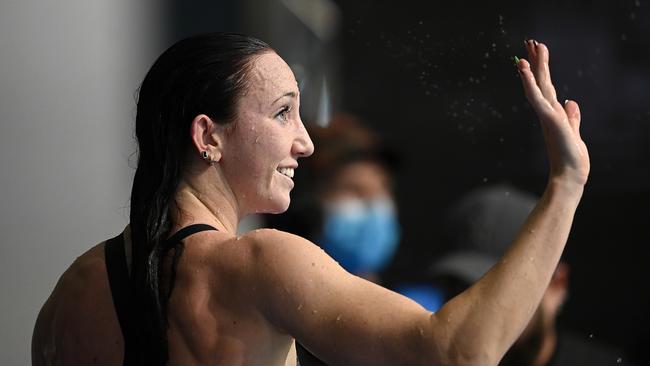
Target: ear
[(206, 136)]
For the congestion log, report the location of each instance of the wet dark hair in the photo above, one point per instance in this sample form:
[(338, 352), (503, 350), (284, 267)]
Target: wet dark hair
[(204, 74)]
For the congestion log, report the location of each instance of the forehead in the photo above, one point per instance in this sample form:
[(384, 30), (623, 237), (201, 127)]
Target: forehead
[(364, 178), (270, 77)]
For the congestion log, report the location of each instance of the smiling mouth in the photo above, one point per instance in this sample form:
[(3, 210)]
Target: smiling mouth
[(286, 172)]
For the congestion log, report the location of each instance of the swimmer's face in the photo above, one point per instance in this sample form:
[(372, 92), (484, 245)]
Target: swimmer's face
[(268, 138)]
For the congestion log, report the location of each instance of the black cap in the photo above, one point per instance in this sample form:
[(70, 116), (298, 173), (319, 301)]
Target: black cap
[(481, 226)]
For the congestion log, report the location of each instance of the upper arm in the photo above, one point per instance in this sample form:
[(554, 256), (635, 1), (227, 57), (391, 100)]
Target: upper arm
[(341, 318)]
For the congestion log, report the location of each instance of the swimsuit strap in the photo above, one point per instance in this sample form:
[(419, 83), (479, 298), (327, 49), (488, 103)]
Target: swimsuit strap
[(189, 230), (121, 290)]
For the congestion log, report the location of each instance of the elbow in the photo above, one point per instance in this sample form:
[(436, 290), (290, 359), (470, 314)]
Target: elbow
[(474, 356), (455, 345)]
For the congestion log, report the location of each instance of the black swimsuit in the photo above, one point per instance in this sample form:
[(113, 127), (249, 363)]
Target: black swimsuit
[(119, 279)]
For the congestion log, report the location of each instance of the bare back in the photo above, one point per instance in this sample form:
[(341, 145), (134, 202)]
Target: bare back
[(212, 320)]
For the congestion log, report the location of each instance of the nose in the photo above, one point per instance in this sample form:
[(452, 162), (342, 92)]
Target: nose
[(302, 145)]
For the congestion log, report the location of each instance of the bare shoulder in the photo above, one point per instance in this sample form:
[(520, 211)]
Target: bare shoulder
[(262, 250), (291, 272), (304, 292), (279, 253), (78, 312), (270, 243), (268, 261)]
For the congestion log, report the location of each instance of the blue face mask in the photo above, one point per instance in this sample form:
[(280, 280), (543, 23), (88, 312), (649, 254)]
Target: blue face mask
[(361, 235)]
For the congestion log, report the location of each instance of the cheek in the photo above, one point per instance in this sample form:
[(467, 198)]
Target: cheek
[(258, 151), (270, 147)]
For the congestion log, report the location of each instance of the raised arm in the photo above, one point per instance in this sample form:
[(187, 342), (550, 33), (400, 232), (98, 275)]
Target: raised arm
[(346, 320), (487, 318)]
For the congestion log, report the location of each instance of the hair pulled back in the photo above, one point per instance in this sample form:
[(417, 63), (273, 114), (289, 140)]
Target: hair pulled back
[(205, 74)]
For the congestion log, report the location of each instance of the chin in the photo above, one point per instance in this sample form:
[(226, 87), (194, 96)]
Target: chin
[(279, 206), (278, 209)]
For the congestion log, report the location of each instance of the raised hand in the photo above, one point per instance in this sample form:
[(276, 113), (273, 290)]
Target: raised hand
[(568, 155)]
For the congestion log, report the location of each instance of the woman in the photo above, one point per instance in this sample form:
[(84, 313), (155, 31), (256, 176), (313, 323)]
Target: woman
[(219, 137)]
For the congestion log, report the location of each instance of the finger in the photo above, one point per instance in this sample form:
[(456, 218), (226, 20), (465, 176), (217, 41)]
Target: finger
[(542, 71), (530, 49), (573, 113), (532, 90)]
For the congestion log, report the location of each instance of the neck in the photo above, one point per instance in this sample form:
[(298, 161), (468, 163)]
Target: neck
[(203, 196)]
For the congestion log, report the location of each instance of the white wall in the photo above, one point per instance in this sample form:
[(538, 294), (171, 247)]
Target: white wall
[(68, 74)]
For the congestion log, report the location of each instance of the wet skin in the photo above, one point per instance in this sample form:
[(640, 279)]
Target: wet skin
[(242, 301)]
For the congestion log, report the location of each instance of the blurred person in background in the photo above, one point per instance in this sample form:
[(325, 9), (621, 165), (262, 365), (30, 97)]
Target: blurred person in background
[(478, 228)]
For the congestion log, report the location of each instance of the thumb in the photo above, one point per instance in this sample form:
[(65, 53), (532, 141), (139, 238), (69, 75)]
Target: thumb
[(573, 113)]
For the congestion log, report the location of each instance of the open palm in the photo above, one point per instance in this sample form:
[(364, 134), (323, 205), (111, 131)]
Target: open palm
[(568, 155)]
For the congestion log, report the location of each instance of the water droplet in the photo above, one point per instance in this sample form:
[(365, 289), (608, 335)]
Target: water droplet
[(591, 336), (421, 331), (619, 360), (532, 231), (637, 3), (257, 139), (314, 312), (485, 180), (338, 318)]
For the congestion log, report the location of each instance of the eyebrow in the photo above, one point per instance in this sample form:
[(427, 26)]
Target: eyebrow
[(289, 94)]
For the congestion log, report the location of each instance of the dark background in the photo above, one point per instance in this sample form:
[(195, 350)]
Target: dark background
[(437, 81)]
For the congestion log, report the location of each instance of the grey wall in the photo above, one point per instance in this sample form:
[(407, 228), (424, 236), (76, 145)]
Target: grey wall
[(68, 74)]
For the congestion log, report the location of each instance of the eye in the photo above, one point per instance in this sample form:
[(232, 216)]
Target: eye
[(283, 114)]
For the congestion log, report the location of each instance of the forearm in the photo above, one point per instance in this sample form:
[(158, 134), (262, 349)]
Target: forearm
[(485, 320)]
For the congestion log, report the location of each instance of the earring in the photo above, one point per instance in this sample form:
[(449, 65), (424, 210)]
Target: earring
[(206, 157)]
